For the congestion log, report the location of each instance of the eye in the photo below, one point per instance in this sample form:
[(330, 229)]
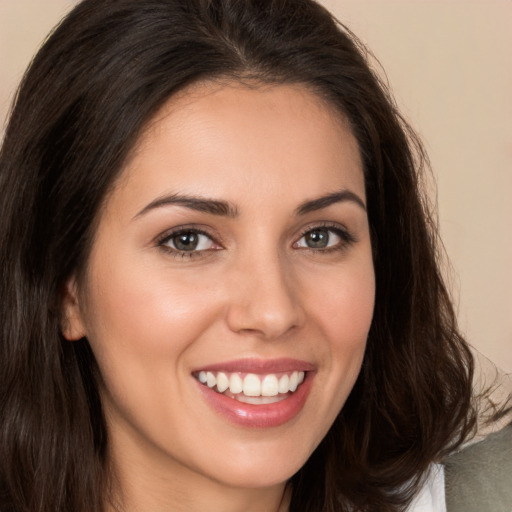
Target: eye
[(324, 237), (188, 241)]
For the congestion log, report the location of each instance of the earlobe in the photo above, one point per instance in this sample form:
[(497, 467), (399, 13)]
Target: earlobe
[(72, 325)]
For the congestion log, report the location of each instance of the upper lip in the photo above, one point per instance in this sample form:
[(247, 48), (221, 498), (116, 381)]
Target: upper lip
[(252, 365)]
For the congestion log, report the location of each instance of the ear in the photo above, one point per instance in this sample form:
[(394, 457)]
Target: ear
[(72, 324)]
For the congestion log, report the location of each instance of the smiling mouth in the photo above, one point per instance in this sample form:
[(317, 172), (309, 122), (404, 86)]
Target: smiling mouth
[(252, 388)]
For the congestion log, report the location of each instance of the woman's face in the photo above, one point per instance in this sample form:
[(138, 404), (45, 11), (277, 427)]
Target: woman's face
[(232, 255)]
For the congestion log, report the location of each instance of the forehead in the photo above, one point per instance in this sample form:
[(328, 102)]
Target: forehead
[(271, 139)]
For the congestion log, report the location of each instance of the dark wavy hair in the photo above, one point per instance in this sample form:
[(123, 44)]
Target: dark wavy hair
[(94, 85)]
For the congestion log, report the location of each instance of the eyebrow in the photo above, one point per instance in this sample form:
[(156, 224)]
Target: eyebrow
[(226, 209), (328, 200), (212, 206)]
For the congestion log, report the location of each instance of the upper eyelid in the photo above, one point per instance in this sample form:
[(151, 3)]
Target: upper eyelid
[(170, 233), (335, 226)]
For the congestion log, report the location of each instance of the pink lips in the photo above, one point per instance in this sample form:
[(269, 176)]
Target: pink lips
[(264, 415)]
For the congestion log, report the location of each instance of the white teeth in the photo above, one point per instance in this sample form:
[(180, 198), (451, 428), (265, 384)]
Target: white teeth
[(294, 381), (252, 385), (235, 384), (222, 382), (210, 379), (283, 384), (269, 386)]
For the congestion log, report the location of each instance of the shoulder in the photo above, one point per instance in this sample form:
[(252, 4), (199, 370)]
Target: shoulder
[(479, 477)]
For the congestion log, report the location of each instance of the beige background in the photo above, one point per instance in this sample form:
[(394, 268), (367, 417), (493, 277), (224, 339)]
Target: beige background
[(450, 66)]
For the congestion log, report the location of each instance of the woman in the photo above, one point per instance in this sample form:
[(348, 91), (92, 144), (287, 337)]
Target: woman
[(220, 284)]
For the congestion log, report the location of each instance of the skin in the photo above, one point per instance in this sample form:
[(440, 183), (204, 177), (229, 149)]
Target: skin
[(255, 290)]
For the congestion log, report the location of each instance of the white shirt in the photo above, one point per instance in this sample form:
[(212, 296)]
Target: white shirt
[(431, 496)]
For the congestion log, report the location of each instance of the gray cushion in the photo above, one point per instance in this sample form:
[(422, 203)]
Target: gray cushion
[(479, 477)]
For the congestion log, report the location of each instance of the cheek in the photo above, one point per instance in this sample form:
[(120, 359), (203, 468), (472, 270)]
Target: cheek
[(343, 309), (144, 308), (141, 327), (140, 322), (343, 304)]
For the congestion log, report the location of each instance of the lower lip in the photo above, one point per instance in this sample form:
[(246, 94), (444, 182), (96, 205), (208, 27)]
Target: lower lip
[(259, 416)]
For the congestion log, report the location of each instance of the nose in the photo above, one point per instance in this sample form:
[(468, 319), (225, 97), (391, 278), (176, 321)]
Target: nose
[(264, 300)]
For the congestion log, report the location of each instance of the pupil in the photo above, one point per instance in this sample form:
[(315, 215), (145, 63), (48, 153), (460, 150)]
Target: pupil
[(317, 239), (186, 241)]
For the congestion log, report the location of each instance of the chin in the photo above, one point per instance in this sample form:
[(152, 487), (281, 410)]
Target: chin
[(267, 465)]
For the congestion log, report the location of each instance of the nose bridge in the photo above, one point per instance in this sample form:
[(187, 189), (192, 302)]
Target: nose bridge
[(264, 299)]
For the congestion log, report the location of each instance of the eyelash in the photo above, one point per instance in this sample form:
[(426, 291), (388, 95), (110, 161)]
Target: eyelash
[(346, 240)]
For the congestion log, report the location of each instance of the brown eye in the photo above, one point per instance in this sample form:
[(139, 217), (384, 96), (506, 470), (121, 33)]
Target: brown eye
[(187, 241)]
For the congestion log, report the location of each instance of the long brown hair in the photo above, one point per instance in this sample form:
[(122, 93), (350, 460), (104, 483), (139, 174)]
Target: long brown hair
[(91, 89)]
